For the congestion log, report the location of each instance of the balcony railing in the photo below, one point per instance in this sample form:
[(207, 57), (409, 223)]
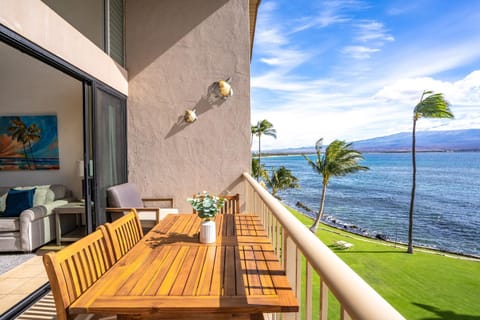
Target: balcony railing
[(310, 264)]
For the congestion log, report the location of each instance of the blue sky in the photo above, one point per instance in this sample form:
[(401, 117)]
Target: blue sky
[(354, 70)]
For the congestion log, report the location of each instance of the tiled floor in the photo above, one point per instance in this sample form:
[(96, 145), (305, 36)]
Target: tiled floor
[(21, 281)]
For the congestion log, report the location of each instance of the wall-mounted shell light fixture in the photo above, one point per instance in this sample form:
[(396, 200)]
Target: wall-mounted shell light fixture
[(190, 116), (223, 88)]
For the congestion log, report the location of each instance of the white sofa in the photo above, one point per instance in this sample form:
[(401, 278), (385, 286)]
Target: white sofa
[(35, 226)]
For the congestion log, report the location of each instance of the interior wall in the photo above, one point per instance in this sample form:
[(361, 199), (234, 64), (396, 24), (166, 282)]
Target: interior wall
[(174, 51), (30, 87)]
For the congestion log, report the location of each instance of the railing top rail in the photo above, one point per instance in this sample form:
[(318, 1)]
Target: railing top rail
[(359, 299)]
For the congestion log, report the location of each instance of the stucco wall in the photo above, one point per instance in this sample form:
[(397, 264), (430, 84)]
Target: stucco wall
[(30, 87), (175, 50)]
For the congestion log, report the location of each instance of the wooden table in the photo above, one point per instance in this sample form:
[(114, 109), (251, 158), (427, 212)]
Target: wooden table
[(75, 208), (169, 273)]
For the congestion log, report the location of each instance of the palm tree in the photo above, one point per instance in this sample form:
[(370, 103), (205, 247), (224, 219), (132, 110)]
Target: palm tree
[(18, 130), (339, 159), (258, 171), (32, 134), (263, 127), (433, 106), (281, 179)]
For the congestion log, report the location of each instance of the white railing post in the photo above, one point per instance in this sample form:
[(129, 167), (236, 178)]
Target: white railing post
[(357, 299), (308, 291), (323, 300)]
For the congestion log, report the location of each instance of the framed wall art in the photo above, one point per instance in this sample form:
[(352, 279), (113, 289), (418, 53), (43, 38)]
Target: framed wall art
[(29, 143)]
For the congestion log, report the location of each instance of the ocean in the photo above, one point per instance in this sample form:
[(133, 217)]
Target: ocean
[(376, 202)]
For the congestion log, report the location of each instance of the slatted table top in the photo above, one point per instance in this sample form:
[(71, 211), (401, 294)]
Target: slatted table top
[(170, 272)]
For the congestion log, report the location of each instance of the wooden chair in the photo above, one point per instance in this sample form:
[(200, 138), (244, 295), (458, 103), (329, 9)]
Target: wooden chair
[(124, 233), (72, 270), (231, 205)]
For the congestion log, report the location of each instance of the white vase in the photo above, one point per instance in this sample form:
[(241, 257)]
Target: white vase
[(208, 232)]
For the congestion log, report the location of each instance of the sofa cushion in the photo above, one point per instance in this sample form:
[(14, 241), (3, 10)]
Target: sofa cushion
[(17, 201), (3, 202), (59, 190), (50, 196), (9, 224)]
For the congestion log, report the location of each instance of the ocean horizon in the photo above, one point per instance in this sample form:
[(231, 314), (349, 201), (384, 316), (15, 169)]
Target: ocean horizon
[(375, 203)]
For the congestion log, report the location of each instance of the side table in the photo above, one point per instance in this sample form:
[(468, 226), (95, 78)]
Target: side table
[(76, 208)]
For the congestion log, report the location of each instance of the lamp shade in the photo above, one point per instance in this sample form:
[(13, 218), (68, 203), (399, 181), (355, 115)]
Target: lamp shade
[(80, 168)]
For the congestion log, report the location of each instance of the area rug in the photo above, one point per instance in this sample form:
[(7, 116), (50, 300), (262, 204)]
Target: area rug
[(11, 260)]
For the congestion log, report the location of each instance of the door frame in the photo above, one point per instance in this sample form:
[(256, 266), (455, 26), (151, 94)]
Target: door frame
[(26, 46), (89, 83)]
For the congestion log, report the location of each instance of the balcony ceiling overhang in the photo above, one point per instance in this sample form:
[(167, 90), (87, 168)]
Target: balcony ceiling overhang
[(254, 4)]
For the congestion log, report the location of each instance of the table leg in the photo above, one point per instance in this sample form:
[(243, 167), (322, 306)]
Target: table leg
[(58, 229)]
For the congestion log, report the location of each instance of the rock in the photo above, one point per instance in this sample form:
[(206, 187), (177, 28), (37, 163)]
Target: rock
[(380, 236)]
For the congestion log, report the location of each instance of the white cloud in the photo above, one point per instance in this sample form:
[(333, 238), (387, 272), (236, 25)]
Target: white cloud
[(463, 92), (372, 31), (308, 114), (359, 52), (330, 13), (370, 90)]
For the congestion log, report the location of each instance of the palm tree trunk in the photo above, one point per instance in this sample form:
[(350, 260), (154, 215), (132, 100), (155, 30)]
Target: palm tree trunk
[(314, 227), (31, 154), (26, 156), (412, 196)]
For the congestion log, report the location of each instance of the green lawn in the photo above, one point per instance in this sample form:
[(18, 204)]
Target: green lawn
[(420, 286)]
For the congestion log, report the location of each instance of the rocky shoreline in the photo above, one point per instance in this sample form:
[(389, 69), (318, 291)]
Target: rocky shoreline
[(354, 229)]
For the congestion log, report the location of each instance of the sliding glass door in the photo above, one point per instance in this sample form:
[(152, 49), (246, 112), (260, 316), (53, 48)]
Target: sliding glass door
[(109, 147)]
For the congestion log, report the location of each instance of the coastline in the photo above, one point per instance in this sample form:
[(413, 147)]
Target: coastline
[(310, 152), (357, 231), (376, 202)]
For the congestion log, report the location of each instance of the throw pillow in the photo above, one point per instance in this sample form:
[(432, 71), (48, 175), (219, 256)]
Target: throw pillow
[(50, 196), (17, 201), (40, 196), (3, 202)]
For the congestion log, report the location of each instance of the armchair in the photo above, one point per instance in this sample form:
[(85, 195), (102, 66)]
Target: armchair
[(123, 197)]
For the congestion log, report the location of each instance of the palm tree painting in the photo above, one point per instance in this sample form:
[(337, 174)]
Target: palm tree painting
[(29, 143)]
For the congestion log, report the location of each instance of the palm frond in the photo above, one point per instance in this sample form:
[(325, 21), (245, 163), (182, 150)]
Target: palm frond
[(433, 106), (264, 127)]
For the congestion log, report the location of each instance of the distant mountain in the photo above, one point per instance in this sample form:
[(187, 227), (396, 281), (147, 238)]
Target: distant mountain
[(454, 140)]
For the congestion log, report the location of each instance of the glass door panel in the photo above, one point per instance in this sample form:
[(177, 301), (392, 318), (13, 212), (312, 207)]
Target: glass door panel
[(110, 147)]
